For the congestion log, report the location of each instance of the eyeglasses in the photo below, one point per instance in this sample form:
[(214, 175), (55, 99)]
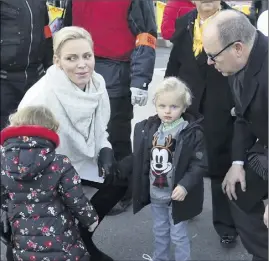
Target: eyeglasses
[(213, 56)]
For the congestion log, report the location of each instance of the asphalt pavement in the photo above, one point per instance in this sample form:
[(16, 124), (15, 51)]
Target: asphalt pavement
[(127, 236)]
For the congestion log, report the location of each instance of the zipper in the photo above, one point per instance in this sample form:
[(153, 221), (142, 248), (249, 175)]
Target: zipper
[(30, 47)]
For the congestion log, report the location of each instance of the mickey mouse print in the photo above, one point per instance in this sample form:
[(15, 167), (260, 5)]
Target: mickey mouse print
[(162, 161)]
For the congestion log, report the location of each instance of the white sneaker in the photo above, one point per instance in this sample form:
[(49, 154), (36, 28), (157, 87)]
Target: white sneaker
[(147, 257)]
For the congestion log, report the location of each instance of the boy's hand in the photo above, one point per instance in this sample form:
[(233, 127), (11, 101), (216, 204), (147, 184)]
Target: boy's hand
[(179, 193)]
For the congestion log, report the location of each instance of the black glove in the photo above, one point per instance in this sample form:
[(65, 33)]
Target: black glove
[(106, 162), (124, 168)]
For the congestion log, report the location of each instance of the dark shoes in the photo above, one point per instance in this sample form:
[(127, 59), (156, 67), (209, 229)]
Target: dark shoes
[(120, 207), (100, 256), (227, 241)]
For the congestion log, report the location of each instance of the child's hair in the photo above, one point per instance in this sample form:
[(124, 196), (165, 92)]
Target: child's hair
[(34, 115), (173, 84)]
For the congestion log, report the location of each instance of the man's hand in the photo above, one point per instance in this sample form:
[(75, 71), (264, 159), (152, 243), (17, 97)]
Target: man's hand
[(265, 216), (235, 174), (139, 96), (179, 193)]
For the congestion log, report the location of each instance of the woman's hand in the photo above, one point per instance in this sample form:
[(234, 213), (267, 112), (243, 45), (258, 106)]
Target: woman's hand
[(106, 162)]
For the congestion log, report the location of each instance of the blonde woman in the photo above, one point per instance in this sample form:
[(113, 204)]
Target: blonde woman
[(77, 96), (43, 191)]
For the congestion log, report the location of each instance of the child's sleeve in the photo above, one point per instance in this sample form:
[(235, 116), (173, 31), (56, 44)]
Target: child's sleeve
[(198, 164), (74, 198)]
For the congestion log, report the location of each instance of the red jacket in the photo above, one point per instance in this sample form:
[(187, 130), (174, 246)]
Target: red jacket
[(173, 10), (108, 25)]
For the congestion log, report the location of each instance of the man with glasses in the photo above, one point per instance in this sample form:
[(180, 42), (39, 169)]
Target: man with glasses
[(213, 99), (236, 49)]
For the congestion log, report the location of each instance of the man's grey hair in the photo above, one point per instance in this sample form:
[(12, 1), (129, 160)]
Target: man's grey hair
[(235, 26)]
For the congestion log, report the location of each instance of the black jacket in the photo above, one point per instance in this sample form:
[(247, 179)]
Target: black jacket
[(190, 166), (23, 41), (252, 118), (257, 7), (211, 91), (139, 72), (44, 196)]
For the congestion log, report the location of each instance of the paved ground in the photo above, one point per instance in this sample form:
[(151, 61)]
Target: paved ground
[(128, 237)]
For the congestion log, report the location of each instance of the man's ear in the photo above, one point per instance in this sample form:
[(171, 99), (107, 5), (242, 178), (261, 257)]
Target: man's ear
[(239, 48), (56, 61)]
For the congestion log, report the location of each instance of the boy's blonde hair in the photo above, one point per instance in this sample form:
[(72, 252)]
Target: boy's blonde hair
[(69, 33), (34, 115), (173, 84)]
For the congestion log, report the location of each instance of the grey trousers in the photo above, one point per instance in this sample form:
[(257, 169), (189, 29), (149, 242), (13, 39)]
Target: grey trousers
[(165, 232)]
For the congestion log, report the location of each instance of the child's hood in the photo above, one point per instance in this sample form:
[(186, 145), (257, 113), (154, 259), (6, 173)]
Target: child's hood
[(27, 150)]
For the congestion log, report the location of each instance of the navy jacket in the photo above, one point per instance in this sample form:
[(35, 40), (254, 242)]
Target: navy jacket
[(190, 166)]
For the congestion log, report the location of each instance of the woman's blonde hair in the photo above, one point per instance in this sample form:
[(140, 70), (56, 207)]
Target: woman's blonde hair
[(34, 115), (69, 33), (173, 84)]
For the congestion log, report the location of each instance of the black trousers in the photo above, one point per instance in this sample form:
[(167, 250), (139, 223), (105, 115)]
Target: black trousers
[(247, 212), (13, 88), (103, 200), (119, 126), (119, 129), (107, 196), (222, 217)]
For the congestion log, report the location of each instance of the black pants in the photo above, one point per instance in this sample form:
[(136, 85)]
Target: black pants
[(119, 126), (222, 217), (247, 212), (13, 88), (103, 201), (119, 129)]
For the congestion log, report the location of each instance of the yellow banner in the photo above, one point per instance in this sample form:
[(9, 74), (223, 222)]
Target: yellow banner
[(159, 14), (243, 8), (54, 12)]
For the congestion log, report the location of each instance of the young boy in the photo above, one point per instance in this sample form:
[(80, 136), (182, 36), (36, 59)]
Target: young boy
[(167, 168)]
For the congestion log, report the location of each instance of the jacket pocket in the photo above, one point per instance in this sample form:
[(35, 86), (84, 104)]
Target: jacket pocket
[(9, 50), (8, 12)]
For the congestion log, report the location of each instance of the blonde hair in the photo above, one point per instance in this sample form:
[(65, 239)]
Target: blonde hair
[(69, 33), (34, 115), (173, 84)]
